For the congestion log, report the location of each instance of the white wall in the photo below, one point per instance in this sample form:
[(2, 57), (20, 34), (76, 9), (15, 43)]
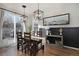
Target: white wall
[(71, 8), (28, 23)]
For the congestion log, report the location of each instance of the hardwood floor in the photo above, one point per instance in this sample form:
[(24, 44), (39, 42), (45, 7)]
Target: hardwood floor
[(49, 51)]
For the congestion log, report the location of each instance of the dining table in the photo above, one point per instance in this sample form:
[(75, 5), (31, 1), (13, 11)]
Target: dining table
[(37, 38)]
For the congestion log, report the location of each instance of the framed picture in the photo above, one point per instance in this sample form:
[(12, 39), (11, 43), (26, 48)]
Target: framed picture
[(62, 19)]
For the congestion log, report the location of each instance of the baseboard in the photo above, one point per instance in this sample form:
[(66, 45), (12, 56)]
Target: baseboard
[(72, 47)]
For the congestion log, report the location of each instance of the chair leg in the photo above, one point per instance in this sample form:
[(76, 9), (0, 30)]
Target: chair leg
[(33, 51), (30, 52), (25, 49), (18, 46), (43, 48), (22, 49)]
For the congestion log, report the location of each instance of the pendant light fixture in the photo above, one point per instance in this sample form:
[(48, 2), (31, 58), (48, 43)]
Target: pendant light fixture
[(38, 14), (24, 16)]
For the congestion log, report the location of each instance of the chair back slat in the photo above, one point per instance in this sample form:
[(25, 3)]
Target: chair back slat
[(27, 36), (19, 35)]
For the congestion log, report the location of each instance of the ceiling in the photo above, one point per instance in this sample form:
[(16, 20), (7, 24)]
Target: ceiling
[(48, 8)]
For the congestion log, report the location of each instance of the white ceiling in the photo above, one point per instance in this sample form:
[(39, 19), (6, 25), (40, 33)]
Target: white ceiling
[(48, 8)]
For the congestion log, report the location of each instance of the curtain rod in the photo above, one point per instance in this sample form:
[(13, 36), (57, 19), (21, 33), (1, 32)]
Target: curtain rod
[(13, 12)]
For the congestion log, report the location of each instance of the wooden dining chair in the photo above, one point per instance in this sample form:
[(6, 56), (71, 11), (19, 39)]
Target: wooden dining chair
[(26, 42), (31, 45), (36, 47)]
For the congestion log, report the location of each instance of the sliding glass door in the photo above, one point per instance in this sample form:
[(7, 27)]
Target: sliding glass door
[(10, 24), (19, 23)]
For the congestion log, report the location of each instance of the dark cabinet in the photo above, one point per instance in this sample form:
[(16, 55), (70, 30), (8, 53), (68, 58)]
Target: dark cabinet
[(71, 37), (55, 32)]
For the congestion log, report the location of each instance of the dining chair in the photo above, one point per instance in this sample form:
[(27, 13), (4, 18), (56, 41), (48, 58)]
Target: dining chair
[(31, 45), (36, 47), (26, 42), (19, 40)]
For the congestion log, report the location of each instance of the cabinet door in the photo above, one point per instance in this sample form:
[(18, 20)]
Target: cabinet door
[(51, 39)]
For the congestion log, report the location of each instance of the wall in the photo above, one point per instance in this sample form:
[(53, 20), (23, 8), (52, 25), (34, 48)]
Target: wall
[(71, 8), (29, 23)]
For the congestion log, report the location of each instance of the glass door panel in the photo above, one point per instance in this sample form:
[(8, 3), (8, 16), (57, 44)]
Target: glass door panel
[(8, 26), (18, 21)]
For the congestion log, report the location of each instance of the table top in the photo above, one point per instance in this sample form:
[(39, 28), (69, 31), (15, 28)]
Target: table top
[(36, 37), (55, 35)]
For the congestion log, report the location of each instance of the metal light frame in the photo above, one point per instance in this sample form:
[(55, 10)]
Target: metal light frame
[(38, 14)]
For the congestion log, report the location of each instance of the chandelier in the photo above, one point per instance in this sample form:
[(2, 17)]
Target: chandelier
[(24, 16), (38, 14)]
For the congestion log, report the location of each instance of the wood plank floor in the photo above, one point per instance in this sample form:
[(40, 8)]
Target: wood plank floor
[(49, 51)]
